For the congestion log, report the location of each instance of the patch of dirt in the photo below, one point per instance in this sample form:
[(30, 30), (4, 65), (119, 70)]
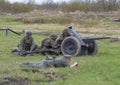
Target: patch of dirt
[(50, 76), (15, 81), (31, 70)]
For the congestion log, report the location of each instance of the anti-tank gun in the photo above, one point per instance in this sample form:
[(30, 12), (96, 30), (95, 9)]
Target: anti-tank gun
[(76, 45)]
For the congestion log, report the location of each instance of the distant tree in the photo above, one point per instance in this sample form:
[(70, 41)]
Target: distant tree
[(102, 4), (31, 1), (4, 5), (112, 5), (87, 4), (49, 5), (49, 2)]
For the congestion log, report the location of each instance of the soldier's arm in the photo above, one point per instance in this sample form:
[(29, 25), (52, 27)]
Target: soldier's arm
[(47, 43), (54, 45), (33, 45), (61, 36), (21, 44)]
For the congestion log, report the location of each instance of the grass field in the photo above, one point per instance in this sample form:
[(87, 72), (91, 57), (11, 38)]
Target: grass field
[(101, 69)]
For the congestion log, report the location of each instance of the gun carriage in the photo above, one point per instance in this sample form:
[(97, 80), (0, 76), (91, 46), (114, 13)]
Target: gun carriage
[(76, 45)]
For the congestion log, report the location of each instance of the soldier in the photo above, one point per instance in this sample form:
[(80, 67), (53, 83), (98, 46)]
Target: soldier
[(64, 34), (50, 44), (62, 37), (57, 62), (27, 43)]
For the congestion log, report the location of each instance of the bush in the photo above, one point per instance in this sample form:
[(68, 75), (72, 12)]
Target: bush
[(73, 5), (16, 7), (47, 20)]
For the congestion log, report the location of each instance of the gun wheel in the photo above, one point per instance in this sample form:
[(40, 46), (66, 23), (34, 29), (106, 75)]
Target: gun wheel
[(92, 47), (71, 46)]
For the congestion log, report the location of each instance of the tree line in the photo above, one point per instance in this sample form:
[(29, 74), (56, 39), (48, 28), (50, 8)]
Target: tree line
[(71, 6)]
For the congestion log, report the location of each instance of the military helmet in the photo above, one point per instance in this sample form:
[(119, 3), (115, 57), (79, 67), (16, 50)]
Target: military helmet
[(65, 30), (28, 33), (53, 35)]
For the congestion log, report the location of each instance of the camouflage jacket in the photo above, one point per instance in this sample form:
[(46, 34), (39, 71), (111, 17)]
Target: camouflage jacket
[(26, 42), (49, 43), (62, 37), (59, 41)]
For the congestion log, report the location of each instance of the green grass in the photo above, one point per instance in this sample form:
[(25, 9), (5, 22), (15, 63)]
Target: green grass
[(8, 20), (102, 69)]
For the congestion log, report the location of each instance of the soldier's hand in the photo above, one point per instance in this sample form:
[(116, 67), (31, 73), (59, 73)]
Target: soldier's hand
[(76, 64)]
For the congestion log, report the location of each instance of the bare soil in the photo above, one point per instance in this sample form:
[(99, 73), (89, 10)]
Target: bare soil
[(50, 77)]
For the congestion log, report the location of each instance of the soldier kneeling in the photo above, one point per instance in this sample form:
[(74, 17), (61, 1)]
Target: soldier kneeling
[(26, 45), (49, 45)]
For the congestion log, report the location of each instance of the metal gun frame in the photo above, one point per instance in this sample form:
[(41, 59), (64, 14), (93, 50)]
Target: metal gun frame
[(76, 45)]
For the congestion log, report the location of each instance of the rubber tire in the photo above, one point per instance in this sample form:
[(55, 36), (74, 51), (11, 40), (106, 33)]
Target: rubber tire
[(93, 46), (71, 46)]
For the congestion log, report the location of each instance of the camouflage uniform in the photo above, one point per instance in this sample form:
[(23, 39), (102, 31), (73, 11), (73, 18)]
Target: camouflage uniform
[(62, 37), (27, 44), (64, 34), (50, 44), (58, 62)]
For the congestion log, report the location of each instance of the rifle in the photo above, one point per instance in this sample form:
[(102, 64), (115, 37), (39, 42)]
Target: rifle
[(44, 52), (8, 29)]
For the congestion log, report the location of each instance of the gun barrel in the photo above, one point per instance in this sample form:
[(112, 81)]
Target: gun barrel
[(100, 38)]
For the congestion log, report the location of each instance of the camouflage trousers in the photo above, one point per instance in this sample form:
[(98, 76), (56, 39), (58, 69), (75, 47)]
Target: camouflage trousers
[(24, 52), (28, 47)]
